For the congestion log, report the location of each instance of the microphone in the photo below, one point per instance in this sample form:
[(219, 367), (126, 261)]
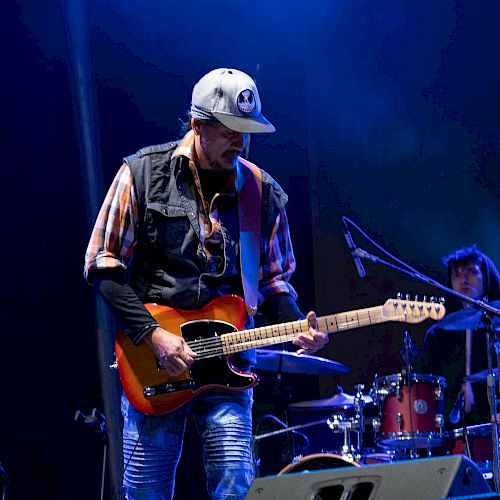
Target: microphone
[(457, 409), (353, 249)]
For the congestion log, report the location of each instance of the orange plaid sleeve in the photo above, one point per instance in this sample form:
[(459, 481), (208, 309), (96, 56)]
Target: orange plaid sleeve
[(113, 237)]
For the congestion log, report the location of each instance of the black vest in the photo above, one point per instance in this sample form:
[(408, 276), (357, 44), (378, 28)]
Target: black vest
[(169, 265)]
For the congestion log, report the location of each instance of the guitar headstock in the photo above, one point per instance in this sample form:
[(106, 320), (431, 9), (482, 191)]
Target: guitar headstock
[(413, 311)]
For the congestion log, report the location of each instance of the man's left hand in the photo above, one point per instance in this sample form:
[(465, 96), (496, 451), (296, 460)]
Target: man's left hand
[(313, 340)]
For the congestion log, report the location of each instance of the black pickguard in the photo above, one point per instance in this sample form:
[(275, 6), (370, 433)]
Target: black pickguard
[(217, 370)]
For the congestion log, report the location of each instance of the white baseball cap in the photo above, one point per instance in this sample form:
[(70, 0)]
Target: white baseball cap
[(230, 96)]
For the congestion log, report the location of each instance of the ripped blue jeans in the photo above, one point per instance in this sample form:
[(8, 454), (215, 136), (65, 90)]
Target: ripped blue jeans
[(152, 446)]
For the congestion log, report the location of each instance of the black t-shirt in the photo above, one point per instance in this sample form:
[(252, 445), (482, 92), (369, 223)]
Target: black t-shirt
[(443, 354)]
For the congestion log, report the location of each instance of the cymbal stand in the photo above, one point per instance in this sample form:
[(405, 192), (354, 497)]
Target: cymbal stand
[(96, 421), (340, 422), (492, 344), (465, 434), (408, 353), (359, 404), (346, 424)]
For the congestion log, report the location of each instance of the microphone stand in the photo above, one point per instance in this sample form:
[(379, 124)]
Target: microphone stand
[(491, 342), (465, 434), (407, 371)]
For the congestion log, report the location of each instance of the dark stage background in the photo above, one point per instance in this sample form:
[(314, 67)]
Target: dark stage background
[(387, 112)]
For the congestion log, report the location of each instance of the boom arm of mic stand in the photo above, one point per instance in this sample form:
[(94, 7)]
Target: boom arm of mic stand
[(363, 254)]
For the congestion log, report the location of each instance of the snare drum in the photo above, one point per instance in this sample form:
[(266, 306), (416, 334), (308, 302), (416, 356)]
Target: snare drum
[(410, 413)]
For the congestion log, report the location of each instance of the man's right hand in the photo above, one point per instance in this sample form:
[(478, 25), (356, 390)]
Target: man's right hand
[(172, 351)]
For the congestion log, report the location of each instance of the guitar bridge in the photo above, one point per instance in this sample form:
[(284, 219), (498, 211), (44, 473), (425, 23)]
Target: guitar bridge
[(159, 389)]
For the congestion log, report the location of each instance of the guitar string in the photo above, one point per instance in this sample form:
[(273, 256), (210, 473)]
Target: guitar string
[(269, 332), (363, 316), (263, 333), (233, 342), (215, 346), (236, 340)]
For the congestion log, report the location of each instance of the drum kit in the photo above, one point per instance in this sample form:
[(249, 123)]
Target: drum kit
[(400, 418)]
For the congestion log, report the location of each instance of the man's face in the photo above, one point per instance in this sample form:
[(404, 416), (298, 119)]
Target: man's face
[(468, 280), (218, 146)]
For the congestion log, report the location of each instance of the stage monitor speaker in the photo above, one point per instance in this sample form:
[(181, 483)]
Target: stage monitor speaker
[(420, 479)]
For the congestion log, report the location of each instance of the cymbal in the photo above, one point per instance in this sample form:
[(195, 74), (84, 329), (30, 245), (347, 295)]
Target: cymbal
[(468, 318), (290, 362), (480, 376), (340, 400)]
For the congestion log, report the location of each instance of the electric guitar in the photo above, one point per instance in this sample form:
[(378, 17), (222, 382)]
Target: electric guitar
[(215, 332)]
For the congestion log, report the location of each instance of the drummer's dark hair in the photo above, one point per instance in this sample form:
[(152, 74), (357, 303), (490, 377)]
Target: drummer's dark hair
[(467, 255), (462, 256)]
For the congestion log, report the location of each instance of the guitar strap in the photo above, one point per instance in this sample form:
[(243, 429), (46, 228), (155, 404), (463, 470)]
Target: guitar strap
[(249, 213)]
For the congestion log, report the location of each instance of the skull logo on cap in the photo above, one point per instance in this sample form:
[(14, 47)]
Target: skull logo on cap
[(246, 101)]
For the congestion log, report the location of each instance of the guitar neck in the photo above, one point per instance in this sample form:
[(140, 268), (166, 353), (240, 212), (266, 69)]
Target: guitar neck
[(275, 334)]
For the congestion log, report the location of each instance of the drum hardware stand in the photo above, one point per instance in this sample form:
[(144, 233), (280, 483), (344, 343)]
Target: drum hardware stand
[(356, 424), (408, 353), (359, 404), (97, 422), (468, 452), (492, 343), (337, 422), (376, 393), (460, 408)]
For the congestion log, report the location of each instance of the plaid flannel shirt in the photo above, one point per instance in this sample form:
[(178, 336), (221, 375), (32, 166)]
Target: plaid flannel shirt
[(114, 235)]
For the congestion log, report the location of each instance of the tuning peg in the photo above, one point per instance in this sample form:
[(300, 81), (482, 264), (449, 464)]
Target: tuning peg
[(399, 295), (416, 297), (424, 298), (442, 300), (433, 298), (408, 296)]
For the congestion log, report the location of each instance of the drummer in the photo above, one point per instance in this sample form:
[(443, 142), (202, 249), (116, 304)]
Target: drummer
[(457, 354)]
